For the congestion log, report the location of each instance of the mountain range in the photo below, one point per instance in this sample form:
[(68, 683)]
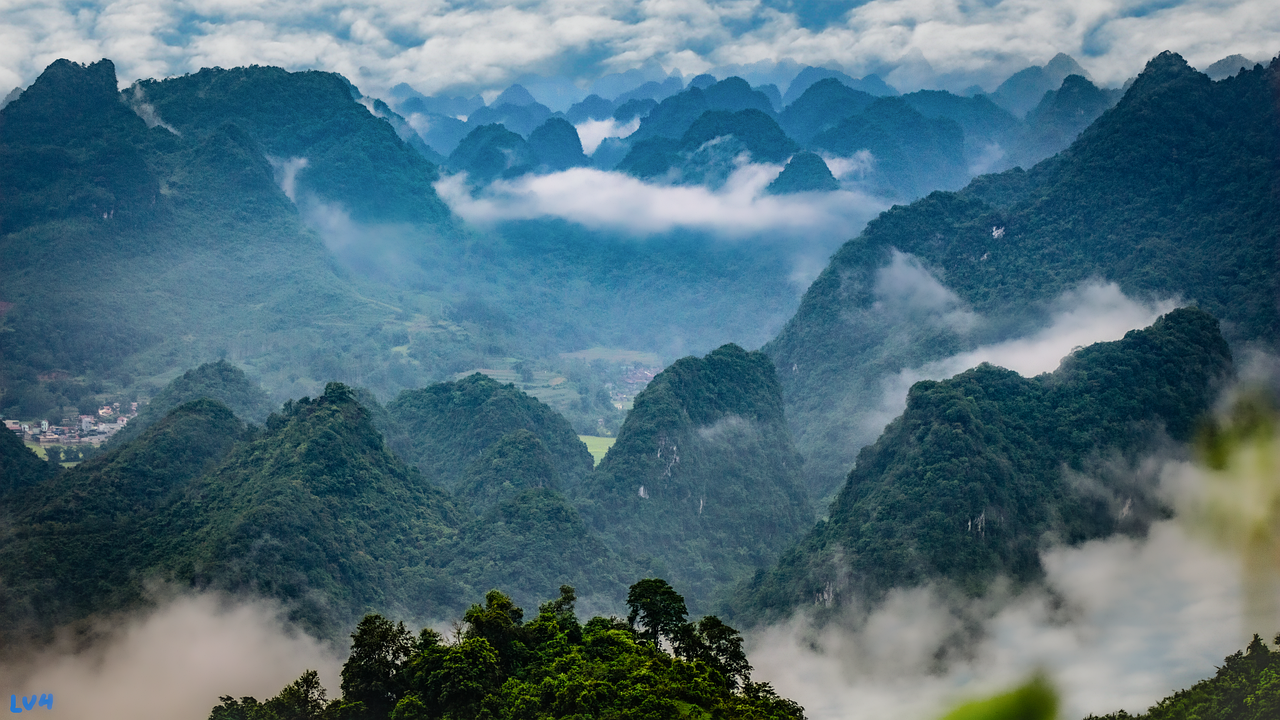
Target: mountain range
[(351, 450)]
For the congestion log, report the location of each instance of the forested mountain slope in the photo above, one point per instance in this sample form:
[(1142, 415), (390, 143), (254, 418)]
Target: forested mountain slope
[(185, 243), (352, 157), (219, 381), (1171, 193), (77, 543), (445, 428), (703, 484), (512, 460), (985, 469), (311, 510), (19, 466)]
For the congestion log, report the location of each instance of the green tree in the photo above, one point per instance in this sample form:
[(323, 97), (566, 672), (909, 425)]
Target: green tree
[(471, 671), (372, 674), (499, 622), (303, 699), (720, 646), (657, 609)]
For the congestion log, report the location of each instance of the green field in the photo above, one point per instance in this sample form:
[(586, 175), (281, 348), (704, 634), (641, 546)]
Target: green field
[(597, 445), (38, 449)]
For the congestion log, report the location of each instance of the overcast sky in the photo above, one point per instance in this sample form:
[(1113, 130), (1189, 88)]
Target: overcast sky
[(439, 45)]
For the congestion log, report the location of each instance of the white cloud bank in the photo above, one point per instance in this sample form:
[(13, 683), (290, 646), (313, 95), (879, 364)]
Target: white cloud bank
[(442, 44), (614, 201), (1091, 313), (1140, 620)]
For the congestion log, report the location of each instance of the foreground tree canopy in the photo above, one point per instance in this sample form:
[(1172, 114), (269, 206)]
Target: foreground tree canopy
[(496, 665)]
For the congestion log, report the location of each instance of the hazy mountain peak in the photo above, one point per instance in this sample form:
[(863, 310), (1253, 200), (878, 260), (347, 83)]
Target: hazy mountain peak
[(1063, 65), (1228, 67), (515, 95), (805, 172)]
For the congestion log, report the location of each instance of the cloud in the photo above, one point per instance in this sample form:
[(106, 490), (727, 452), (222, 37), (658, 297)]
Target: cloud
[(174, 662), (614, 201), (593, 132), (904, 287), (472, 46), (1094, 312), (1132, 622)]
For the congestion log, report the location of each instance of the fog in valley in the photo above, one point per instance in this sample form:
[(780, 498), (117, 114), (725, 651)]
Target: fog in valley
[(308, 313)]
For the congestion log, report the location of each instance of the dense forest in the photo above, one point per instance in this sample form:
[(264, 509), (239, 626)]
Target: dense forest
[(981, 472), (703, 483), (655, 664), (338, 506), (1169, 194)]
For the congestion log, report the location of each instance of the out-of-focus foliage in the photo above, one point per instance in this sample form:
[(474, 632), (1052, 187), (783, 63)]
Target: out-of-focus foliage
[(1238, 503), (1034, 700), (500, 666)]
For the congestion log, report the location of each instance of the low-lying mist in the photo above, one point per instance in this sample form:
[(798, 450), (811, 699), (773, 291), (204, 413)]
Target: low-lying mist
[(1091, 313), (612, 200), (1127, 622), (173, 662), (1119, 624)]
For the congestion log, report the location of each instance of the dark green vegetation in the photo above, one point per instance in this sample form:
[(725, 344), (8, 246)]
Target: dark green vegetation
[(147, 231), (1171, 193), (74, 543), (492, 152), (286, 223), (986, 469), (314, 509), (131, 252), (310, 509), (512, 460), (352, 157), (19, 466), (1246, 687), (500, 666), (219, 381), (447, 428), (703, 484), (556, 146), (805, 172)]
